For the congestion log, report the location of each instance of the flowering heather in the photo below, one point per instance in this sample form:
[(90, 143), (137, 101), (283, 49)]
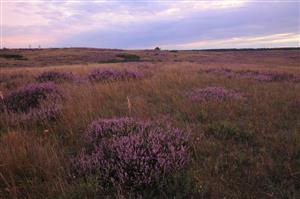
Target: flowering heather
[(111, 75), (277, 76), (34, 116), (30, 96), (45, 113), (261, 76), (224, 71), (53, 76), (267, 76), (296, 102), (131, 153), (215, 93), (6, 78)]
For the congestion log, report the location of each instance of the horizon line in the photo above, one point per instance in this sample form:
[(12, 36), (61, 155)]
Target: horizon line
[(162, 49)]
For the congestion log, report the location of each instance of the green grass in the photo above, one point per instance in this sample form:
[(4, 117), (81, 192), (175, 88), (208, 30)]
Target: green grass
[(13, 56), (128, 57), (124, 57)]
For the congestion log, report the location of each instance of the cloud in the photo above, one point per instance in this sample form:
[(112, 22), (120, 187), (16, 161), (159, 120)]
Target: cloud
[(267, 41), (136, 24)]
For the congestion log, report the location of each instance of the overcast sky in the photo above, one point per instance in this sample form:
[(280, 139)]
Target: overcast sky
[(147, 24)]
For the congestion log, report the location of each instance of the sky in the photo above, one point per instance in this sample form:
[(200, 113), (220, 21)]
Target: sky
[(145, 24)]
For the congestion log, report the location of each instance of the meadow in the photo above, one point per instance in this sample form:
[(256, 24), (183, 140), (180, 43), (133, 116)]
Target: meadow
[(92, 123)]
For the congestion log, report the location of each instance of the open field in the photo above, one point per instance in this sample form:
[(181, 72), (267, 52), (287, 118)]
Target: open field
[(238, 110)]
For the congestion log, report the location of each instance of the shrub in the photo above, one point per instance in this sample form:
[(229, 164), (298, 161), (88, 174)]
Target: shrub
[(36, 116), (53, 76), (13, 56), (110, 61), (130, 153), (215, 93), (111, 75), (6, 78), (128, 57), (47, 112), (30, 96)]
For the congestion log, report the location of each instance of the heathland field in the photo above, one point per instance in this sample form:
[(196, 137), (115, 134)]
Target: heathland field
[(96, 123)]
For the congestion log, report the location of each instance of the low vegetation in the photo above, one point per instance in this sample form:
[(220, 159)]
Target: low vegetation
[(150, 130), (12, 56), (215, 94), (54, 76), (122, 57), (134, 156), (112, 75), (31, 104), (261, 76), (128, 57)]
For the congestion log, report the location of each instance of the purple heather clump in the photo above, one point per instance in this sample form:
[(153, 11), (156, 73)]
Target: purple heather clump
[(6, 77), (223, 71), (261, 76), (30, 96), (280, 76), (131, 153), (34, 116), (215, 93), (253, 75), (45, 113), (54, 76), (111, 75), (297, 102)]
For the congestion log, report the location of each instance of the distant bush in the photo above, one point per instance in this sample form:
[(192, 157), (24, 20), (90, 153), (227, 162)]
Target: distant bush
[(123, 57), (13, 56), (111, 75), (111, 61), (130, 153), (53, 76), (157, 48), (30, 96), (128, 57)]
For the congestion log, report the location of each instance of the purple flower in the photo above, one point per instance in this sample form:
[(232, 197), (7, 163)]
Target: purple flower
[(46, 113), (215, 93), (131, 153), (111, 75), (223, 71), (261, 76), (30, 96), (296, 102), (53, 76)]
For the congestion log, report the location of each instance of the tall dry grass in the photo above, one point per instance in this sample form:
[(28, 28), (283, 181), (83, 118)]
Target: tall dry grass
[(240, 148)]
